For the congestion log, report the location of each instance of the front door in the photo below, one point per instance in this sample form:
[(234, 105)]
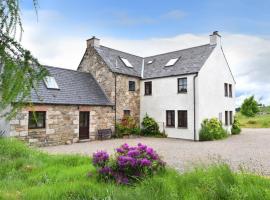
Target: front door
[(84, 126)]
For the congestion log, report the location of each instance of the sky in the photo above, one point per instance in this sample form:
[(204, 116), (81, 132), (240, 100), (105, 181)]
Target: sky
[(57, 34)]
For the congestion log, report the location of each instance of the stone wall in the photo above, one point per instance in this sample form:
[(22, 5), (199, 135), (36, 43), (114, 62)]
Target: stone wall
[(62, 124), (94, 64), (126, 100)]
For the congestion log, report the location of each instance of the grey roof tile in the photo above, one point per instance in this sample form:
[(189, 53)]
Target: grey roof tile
[(75, 88), (190, 61), (112, 59)]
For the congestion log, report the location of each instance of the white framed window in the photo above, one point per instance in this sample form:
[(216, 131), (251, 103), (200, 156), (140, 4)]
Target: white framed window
[(171, 62), (50, 82), (126, 62)]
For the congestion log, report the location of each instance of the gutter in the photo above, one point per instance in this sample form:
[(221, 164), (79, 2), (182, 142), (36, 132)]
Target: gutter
[(194, 103)]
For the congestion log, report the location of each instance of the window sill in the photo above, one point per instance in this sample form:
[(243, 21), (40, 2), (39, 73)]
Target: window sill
[(147, 94), (33, 129), (181, 92), (182, 127), (170, 126)]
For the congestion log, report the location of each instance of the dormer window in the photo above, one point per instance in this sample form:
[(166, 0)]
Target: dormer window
[(126, 62), (171, 62), (50, 82)]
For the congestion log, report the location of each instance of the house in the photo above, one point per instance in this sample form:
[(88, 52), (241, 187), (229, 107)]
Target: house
[(178, 89)]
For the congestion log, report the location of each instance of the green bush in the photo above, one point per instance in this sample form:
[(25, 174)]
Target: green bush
[(211, 129), (127, 126), (250, 107), (150, 126), (236, 129)]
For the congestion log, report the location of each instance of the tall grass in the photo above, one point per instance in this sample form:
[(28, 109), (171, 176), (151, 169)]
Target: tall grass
[(29, 174), (259, 121)]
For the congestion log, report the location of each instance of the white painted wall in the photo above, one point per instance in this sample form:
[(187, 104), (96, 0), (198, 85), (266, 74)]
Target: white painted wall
[(165, 97), (211, 78), (4, 125)]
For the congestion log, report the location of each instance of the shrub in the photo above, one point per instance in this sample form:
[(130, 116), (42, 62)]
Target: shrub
[(129, 164), (150, 126), (250, 107), (236, 129), (212, 130), (127, 126)]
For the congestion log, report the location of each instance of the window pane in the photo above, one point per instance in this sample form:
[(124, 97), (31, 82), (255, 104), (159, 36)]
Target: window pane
[(170, 120), (148, 88), (226, 118), (182, 118), (226, 89), (37, 119), (126, 112), (182, 85), (131, 85)]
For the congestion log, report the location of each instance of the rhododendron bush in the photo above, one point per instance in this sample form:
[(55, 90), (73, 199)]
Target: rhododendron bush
[(128, 164)]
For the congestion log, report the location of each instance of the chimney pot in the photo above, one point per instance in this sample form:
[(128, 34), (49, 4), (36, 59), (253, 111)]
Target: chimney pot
[(215, 38), (93, 42)]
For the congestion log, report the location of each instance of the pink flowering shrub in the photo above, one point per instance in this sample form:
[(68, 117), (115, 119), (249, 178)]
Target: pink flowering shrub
[(129, 164)]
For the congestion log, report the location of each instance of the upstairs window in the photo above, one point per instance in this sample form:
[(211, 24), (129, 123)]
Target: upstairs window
[(170, 118), (226, 89), (182, 85), (50, 82), (37, 120), (182, 119), (230, 90), (171, 62), (126, 62), (148, 88), (131, 85)]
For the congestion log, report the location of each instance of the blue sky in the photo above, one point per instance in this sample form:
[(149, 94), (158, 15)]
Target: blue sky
[(149, 27), (142, 19)]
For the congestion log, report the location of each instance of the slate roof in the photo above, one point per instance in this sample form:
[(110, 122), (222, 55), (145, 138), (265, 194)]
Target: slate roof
[(75, 88), (190, 61), (113, 61)]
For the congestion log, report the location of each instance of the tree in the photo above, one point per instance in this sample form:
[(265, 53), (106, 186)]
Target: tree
[(250, 107), (20, 72)]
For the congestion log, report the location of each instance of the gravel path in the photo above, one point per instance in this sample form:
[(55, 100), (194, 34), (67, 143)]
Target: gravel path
[(250, 150)]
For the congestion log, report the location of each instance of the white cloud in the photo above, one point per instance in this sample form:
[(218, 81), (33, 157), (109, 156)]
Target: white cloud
[(248, 55)]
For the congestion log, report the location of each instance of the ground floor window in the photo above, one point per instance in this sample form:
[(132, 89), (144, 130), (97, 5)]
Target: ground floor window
[(182, 119), (170, 118), (226, 118), (126, 113), (231, 117), (37, 119)]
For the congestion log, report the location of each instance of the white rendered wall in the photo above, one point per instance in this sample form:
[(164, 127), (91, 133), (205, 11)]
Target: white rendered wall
[(211, 99), (165, 97)]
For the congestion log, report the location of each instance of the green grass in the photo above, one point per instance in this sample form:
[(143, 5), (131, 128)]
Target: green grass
[(259, 121), (29, 174)]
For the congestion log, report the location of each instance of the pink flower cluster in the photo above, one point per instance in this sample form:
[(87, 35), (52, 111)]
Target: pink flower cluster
[(129, 163)]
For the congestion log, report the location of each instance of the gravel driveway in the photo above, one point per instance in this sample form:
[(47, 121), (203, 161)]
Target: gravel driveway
[(250, 150)]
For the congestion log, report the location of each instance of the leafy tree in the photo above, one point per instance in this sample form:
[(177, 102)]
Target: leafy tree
[(250, 107), (20, 72)]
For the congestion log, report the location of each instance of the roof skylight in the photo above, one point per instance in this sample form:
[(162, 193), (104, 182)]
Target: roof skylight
[(50, 82), (171, 62), (150, 62), (126, 62)]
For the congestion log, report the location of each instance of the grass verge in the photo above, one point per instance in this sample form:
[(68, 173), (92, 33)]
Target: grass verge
[(259, 121), (29, 174)]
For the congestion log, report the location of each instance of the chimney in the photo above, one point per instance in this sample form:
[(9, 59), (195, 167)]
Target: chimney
[(93, 42), (215, 38)]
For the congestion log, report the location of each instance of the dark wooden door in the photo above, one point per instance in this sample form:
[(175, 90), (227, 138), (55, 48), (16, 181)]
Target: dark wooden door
[(84, 126)]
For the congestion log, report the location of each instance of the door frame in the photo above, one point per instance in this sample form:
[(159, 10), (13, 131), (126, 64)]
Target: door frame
[(84, 132)]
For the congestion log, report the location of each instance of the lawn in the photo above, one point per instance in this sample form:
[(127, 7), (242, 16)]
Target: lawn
[(29, 174), (259, 121)]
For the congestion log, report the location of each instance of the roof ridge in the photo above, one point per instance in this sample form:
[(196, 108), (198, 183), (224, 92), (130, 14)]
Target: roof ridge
[(73, 70), (179, 50), (122, 51)]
